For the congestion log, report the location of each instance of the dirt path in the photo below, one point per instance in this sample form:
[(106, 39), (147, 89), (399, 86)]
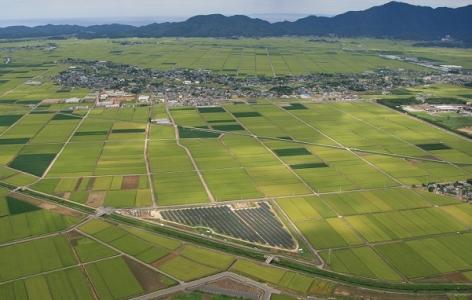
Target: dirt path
[(126, 255), (148, 164), (66, 143), (340, 145), (194, 163)]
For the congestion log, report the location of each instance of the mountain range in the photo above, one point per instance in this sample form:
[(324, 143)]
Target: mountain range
[(392, 20)]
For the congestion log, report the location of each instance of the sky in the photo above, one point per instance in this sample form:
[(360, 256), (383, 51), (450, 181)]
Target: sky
[(34, 12)]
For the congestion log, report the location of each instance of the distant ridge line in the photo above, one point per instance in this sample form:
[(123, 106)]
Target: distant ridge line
[(394, 20)]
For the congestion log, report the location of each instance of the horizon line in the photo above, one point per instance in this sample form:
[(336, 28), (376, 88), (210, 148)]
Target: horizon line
[(159, 19)]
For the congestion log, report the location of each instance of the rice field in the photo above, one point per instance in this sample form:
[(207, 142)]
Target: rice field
[(20, 219), (74, 266), (262, 57), (184, 262), (300, 148), (347, 175), (291, 281), (392, 234)]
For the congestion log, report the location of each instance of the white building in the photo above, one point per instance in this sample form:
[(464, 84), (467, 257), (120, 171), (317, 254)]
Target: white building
[(144, 99), (161, 121), (72, 100)]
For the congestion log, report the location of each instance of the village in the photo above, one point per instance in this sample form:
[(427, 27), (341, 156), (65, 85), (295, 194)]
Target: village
[(204, 87), (459, 189)]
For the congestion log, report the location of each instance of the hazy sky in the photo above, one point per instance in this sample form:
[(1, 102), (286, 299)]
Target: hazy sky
[(125, 9)]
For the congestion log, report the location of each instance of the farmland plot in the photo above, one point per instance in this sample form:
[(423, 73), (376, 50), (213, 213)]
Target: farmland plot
[(391, 221), (19, 220)]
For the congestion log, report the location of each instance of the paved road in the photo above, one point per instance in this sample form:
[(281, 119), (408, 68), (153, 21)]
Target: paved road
[(267, 290)]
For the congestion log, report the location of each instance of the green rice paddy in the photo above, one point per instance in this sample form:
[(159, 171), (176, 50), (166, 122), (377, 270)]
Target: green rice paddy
[(370, 234), (290, 152), (345, 174)]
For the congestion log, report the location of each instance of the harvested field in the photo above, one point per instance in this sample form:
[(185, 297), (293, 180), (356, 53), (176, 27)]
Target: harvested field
[(96, 199), (130, 182), (149, 279)]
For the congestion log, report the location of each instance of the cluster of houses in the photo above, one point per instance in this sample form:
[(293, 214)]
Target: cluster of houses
[(204, 87), (460, 189)]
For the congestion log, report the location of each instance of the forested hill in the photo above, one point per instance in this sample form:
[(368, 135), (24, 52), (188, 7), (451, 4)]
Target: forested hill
[(393, 20)]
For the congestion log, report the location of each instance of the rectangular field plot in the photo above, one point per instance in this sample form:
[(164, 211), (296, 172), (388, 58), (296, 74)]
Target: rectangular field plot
[(374, 216), (306, 208), (121, 157), (362, 262), (8, 120), (405, 224), (355, 203), (429, 257), (201, 132), (255, 173), (35, 164), (171, 256), (28, 126), (174, 178), (223, 175), (122, 154), (268, 120), (89, 250), (401, 136), (412, 234), (269, 175), (68, 284), (34, 257), (332, 170), (213, 259), (292, 152), (113, 191), (57, 130), (127, 114), (430, 147), (142, 246), (414, 172), (330, 233), (287, 280), (19, 219), (77, 159), (93, 130), (254, 224), (186, 269), (114, 279), (171, 191)]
